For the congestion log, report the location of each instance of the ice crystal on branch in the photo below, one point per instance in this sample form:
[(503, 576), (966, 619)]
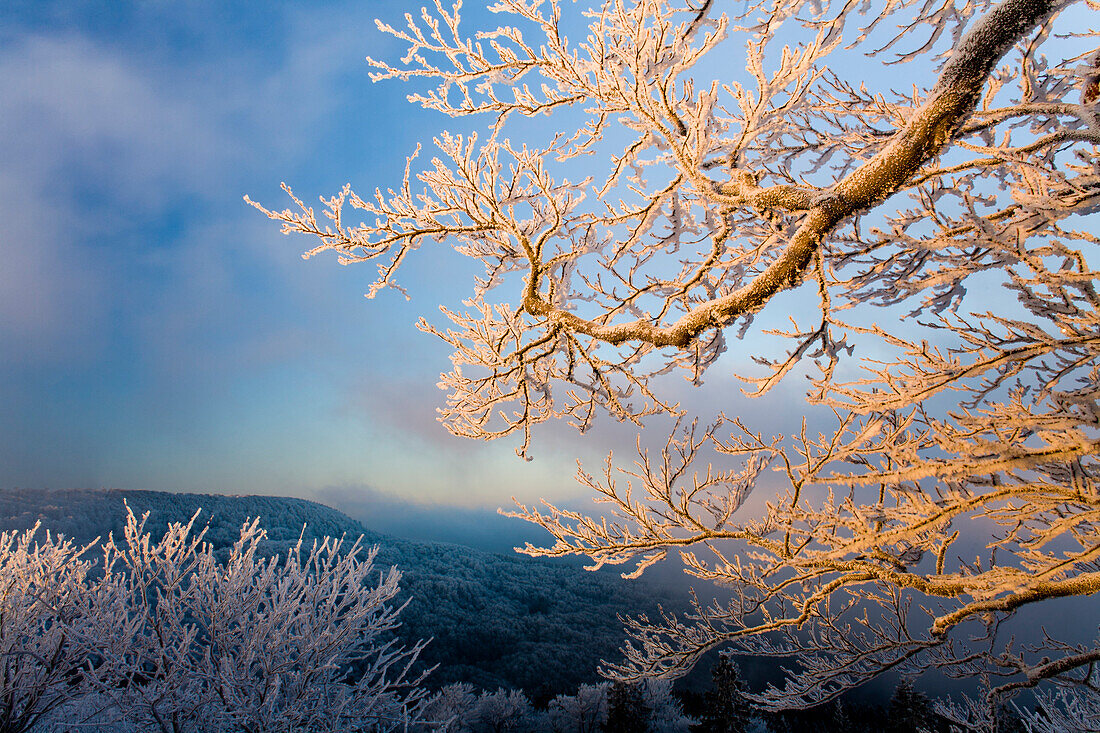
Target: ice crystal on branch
[(708, 191)]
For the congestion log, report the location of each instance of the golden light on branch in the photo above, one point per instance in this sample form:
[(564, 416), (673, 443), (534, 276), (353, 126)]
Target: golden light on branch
[(707, 194)]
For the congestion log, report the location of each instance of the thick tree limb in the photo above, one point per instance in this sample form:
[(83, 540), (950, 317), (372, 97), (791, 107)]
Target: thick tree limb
[(931, 127)]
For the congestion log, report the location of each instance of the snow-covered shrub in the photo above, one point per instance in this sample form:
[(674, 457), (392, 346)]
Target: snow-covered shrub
[(585, 712), (87, 713), (294, 642), (451, 710), (162, 636), (47, 605), (665, 713), (1063, 709), (501, 711)]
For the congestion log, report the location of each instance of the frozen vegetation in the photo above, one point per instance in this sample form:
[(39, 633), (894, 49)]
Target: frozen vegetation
[(165, 633), (923, 254), (192, 616), (183, 621), (494, 620), (892, 203)]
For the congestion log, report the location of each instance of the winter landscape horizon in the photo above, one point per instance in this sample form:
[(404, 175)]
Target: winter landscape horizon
[(550, 365)]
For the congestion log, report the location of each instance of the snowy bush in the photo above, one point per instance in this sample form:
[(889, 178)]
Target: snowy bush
[(162, 636), (47, 604), (451, 710), (585, 712), (665, 712), (501, 711)]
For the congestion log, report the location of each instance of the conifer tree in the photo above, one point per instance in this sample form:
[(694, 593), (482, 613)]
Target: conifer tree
[(726, 709), (626, 709), (910, 710)]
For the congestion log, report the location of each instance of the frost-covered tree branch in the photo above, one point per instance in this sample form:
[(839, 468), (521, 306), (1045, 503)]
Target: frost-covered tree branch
[(714, 160), (48, 607), (845, 585)]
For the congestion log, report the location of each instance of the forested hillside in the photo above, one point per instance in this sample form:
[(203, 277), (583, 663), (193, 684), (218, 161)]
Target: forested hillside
[(495, 620)]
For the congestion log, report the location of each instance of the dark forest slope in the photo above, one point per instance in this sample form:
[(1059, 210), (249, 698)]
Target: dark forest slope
[(495, 620)]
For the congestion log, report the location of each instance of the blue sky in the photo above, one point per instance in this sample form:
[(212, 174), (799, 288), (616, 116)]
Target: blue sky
[(158, 333), (155, 331)]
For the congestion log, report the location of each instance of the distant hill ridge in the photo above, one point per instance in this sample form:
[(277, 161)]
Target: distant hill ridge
[(84, 514), (495, 620)]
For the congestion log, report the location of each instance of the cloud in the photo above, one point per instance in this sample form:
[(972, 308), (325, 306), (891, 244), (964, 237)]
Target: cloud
[(111, 158), (74, 109), (50, 300), (126, 244), (475, 527), (89, 146)]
